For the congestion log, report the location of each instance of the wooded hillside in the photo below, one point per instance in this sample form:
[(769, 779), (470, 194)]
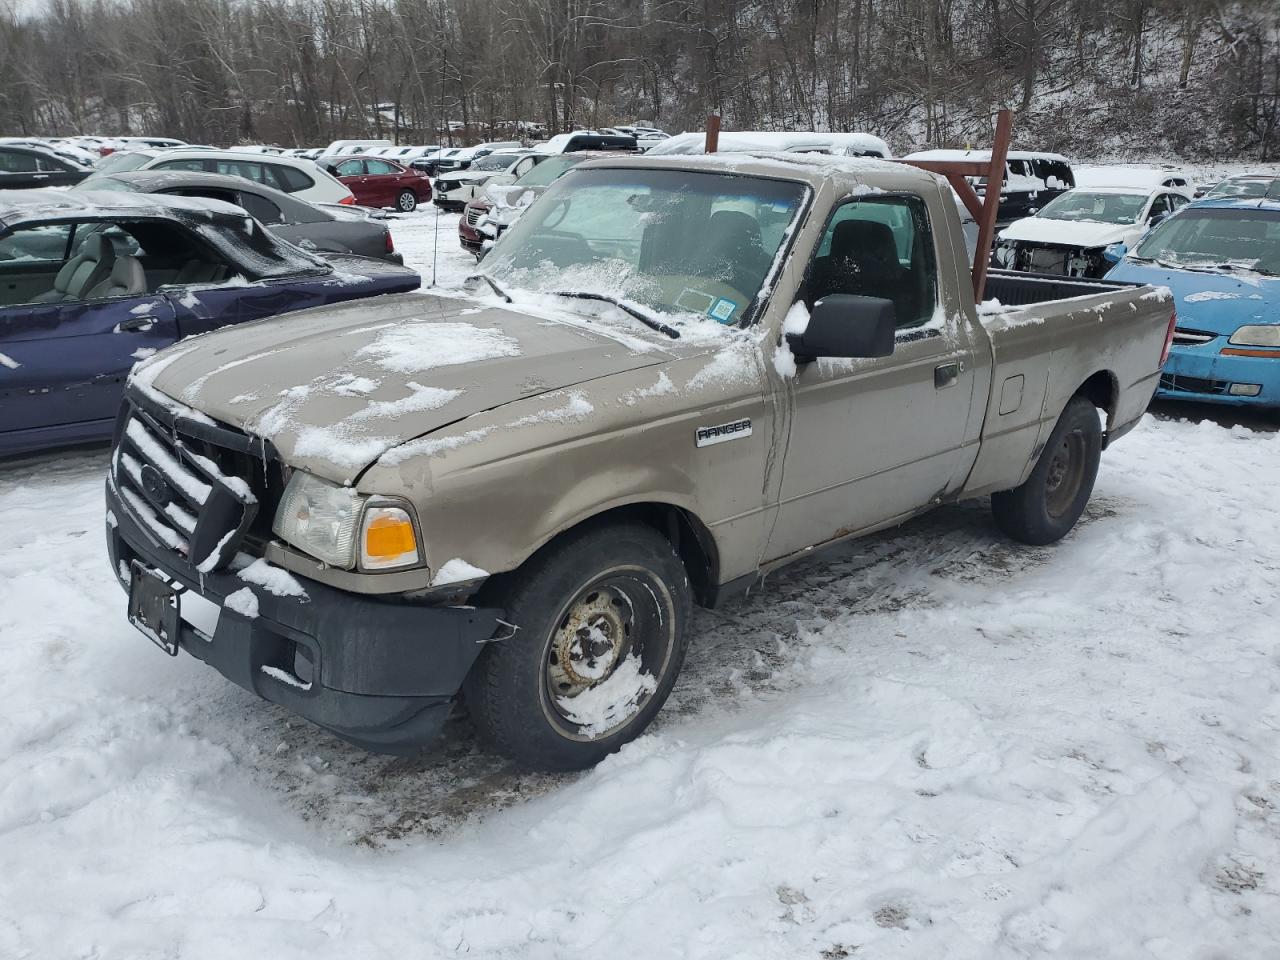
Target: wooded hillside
[(1198, 78)]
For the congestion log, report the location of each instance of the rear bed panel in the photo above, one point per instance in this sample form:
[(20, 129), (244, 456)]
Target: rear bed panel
[(1054, 347)]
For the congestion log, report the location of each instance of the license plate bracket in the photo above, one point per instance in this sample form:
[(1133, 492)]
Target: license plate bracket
[(155, 606)]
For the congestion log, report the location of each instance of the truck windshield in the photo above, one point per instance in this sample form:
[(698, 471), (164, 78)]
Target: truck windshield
[(1226, 239), (685, 245), (1099, 206)]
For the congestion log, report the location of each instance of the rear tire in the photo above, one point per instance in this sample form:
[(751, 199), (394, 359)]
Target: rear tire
[(602, 622), (1045, 508), (407, 201)]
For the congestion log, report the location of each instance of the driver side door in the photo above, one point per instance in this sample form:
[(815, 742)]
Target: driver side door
[(874, 440)]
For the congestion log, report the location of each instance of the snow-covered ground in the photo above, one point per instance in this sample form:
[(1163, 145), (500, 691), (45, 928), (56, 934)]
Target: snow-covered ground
[(933, 743)]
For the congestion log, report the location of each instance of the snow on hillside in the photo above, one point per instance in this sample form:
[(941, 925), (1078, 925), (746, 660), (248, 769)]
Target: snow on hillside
[(933, 743)]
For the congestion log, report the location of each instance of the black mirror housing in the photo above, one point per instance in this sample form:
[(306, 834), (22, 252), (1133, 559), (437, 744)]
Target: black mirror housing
[(844, 325)]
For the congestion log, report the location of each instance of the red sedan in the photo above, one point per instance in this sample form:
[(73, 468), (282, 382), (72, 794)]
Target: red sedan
[(380, 183)]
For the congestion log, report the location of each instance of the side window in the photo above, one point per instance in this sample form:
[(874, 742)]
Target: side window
[(880, 247), (351, 168), (260, 208), (50, 165), (43, 244), (13, 162), (193, 164), (1055, 174), (292, 179), (379, 166), (1178, 200), (1159, 206)]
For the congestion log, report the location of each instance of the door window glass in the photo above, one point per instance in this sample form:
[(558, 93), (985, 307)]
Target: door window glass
[(13, 162), (351, 168), (192, 164), (1159, 206), (47, 242), (880, 247), (291, 179), (260, 208), (379, 166)]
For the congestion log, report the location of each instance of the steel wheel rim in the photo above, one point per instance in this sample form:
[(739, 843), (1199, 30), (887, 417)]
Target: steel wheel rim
[(1065, 474), (619, 624)]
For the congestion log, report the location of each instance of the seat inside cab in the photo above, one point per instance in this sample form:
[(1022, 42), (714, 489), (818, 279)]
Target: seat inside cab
[(102, 259)]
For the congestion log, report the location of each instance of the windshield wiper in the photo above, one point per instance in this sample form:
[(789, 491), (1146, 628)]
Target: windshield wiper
[(640, 315), (492, 285)]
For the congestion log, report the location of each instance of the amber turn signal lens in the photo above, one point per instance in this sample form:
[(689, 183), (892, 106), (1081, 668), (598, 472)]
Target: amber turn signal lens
[(388, 539)]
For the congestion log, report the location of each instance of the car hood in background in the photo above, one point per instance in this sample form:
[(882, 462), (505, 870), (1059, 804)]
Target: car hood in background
[(1067, 233), (333, 388), (1208, 300)]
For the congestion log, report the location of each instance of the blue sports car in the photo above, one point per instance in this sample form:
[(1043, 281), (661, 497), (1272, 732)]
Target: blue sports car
[(1221, 259), (92, 282)]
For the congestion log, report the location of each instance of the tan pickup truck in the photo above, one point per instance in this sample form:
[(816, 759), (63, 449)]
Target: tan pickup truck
[(673, 375)]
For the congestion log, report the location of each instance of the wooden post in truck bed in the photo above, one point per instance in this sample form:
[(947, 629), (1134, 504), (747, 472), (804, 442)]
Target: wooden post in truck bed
[(984, 211)]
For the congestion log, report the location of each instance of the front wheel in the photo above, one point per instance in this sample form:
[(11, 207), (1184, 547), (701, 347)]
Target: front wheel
[(407, 201), (1046, 507), (602, 621)]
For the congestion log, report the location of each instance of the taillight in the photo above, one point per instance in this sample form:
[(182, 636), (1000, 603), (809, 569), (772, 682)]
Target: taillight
[(349, 200), (391, 246), (1168, 337)]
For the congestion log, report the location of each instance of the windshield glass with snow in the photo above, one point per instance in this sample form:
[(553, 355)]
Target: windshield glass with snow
[(1231, 239), (549, 170), (1100, 207), (682, 244), (1247, 187), (120, 162), (495, 161)]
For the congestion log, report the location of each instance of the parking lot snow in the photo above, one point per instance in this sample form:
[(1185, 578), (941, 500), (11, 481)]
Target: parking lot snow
[(930, 743)]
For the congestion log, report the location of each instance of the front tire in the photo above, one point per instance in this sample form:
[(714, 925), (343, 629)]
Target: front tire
[(407, 201), (602, 622), (1045, 508)]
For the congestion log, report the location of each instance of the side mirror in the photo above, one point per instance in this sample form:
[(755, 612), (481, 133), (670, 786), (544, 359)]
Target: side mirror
[(1115, 252), (843, 325)]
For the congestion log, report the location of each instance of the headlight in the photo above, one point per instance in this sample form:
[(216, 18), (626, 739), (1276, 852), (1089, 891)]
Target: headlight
[(319, 517), (387, 537), (1257, 336)]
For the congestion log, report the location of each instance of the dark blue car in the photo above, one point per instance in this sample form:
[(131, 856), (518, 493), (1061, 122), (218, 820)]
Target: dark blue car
[(1221, 259), (92, 282)]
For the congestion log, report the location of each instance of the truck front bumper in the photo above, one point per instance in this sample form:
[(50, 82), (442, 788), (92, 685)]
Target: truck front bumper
[(380, 673), (1203, 374)]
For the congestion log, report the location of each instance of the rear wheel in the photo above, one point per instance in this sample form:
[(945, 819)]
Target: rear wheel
[(602, 621), (407, 201), (1048, 504)]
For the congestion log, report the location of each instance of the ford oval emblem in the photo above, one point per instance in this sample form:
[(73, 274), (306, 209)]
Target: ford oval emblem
[(155, 487)]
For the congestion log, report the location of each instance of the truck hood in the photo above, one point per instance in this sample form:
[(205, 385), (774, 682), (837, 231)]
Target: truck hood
[(1205, 300), (1086, 234), (335, 387)]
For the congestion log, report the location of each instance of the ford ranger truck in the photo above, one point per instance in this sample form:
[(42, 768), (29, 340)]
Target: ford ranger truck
[(673, 375)]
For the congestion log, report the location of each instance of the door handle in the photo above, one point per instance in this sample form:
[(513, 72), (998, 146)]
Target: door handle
[(947, 374), (130, 324), (39, 176)]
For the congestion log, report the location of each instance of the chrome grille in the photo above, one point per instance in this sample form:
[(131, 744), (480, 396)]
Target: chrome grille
[(171, 482), (473, 216)]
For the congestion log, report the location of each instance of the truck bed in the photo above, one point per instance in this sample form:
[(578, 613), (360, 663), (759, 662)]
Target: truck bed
[(1017, 289)]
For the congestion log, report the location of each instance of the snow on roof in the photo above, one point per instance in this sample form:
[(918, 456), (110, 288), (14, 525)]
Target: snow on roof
[(1118, 176), (19, 205), (804, 166), (981, 155), (745, 141)]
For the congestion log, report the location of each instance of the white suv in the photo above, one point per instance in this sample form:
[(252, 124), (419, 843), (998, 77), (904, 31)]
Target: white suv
[(302, 178)]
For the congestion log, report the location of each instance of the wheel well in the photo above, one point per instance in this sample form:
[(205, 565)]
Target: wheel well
[(1102, 390), (691, 539)]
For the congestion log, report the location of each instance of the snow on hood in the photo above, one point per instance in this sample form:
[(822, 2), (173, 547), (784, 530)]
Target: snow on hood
[(1066, 233), (334, 388), (1214, 302)]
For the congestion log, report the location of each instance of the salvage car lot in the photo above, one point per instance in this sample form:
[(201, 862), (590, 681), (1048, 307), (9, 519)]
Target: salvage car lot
[(930, 743)]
